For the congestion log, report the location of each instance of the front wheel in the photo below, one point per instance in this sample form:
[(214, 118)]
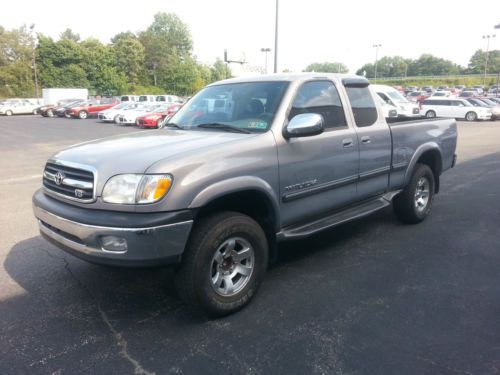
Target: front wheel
[(471, 116), (8, 113), (414, 203), (224, 263), (82, 115), (430, 114)]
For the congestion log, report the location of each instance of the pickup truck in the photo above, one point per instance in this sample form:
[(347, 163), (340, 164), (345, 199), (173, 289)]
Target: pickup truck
[(245, 164)]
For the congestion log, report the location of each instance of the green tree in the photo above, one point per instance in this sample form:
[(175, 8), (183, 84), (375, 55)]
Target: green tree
[(327, 67), (68, 34), (478, 59), (166, 40), (129, 54), (429, 65), (123, 35), (219, 71)]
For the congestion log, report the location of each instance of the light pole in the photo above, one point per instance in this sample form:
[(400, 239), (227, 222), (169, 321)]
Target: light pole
[(32, 28), (487, 37), (376, 46), (276, 39), (265, 50)]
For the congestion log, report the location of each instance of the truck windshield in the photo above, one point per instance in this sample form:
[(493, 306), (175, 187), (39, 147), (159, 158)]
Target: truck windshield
[(248, 106)]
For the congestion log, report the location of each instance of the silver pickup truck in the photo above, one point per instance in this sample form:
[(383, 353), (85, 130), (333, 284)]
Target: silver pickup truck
[(245, 164)]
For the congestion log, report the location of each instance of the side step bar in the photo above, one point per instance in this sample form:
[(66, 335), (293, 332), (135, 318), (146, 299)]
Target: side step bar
[(351, 213)]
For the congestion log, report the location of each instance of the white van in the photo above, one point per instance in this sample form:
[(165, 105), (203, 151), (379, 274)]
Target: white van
[(168, 98), (147, 98), (129, 98), (455, 108), (392, 96)]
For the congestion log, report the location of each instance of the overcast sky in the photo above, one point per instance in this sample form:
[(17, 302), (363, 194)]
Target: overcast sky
[(310, 31)]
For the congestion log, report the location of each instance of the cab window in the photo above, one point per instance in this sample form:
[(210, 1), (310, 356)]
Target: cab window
[(320, 97), (363, 106)]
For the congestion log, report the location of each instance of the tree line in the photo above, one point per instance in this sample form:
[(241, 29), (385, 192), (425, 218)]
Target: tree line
[(154, 61), (425, 65)]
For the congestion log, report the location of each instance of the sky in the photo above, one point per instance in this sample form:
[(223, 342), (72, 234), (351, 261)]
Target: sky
[(309, 31)]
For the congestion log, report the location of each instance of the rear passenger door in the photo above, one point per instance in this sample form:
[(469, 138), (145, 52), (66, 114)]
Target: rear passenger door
[(318, 173), (374, 138)]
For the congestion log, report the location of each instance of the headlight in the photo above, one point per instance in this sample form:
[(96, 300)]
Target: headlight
[(136, 188)]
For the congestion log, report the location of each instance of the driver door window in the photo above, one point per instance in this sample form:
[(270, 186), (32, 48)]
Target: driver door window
[(320, 97)]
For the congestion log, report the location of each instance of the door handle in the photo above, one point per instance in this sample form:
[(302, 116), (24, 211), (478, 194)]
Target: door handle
[(365, 140), (348, 142)]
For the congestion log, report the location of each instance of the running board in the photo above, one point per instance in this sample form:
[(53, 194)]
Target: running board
[(358, 211)]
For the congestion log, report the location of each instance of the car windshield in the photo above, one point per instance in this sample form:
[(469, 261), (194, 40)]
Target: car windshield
[(397, 97), (249, 107)]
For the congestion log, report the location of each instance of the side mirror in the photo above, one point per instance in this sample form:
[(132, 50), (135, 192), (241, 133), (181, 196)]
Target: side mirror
[(304, 125)]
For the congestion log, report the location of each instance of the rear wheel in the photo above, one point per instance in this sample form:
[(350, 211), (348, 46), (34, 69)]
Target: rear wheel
[(430, 114), (471, 116), (83, 115), (8, 113), (414, 203), (224, 263), (35, 112)]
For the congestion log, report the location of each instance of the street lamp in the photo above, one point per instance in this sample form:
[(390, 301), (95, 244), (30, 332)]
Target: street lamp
[(33, 36), (276, 39), (376, 46), (487, 37), (265, 50)]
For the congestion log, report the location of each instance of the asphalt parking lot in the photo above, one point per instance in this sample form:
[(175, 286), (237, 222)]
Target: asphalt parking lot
[(370, 297)]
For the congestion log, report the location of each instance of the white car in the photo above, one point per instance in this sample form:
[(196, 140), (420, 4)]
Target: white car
[(392, 96), (388, 110), (442, 94), (168, 99), (17, 107), (129, 117), (455, 108), (112, 114)]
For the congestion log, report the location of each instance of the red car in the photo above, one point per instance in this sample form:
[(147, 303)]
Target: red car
[(91, 108), (152, 120)]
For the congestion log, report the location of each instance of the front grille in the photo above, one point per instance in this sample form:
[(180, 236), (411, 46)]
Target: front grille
[(73, 183)]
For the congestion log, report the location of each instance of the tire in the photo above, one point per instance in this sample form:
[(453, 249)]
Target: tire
[(8, 113), (35, 112), (116, 119), (50, 113), (414, 203), (471, 116), (82, 115), (430, 114), (204, 280)]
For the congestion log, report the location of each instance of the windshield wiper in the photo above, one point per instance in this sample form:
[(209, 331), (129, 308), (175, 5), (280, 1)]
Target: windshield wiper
[(172, 125), (226, 127)]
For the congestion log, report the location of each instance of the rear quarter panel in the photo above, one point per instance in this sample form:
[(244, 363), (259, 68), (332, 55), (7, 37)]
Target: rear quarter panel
[(411, 139)]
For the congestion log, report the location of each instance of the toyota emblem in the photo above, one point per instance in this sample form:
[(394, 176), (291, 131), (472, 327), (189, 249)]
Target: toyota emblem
[(59, 177)]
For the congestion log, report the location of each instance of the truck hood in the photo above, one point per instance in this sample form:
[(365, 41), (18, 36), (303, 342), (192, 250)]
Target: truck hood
[(135, 152)]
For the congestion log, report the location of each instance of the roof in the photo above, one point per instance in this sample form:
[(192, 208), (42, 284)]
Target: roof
[(288, 77)]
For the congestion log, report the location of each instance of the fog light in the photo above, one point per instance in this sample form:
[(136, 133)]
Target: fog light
[(115, 244)]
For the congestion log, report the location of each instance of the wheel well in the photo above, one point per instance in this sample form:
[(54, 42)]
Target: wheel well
[(248, 202), (432, 158)]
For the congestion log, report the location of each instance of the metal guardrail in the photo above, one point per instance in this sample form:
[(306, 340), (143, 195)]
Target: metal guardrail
[(495, 75)]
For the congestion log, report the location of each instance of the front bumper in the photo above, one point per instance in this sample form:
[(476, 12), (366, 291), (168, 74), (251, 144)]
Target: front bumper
[(152, 239)]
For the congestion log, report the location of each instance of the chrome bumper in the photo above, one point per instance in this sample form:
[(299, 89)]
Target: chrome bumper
[(145, 246)]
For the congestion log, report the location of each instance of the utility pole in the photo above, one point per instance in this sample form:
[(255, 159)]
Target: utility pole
[(376, 46), (265, 50), (487, 37), (33, 37), (276, 39)]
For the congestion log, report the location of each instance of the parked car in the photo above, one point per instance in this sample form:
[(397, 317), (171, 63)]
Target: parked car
[(442, 93), (216, 189), (129, 98), (91, 108), (391, 96), (485, 102), (129, 117), (154, 119), (61, 111), (48, 110), (410, 89), (417, 96), (147, 98), (496, 100), (18, 107), (112, 114), (168, 98), (460, 87), (455, 108), (428, 89), (468, 94)]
